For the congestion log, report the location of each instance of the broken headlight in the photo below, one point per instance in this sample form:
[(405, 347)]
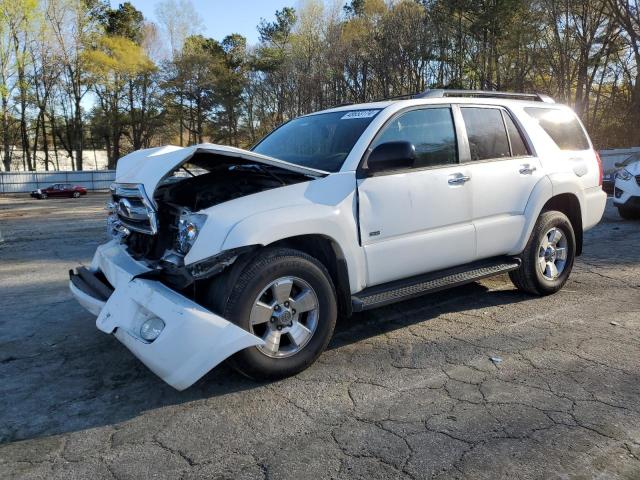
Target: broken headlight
[(189, 226)]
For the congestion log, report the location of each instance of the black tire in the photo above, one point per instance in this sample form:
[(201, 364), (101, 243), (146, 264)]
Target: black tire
[(529, 277), (268, 266), (629, 213), (43, 196), (76, 195)]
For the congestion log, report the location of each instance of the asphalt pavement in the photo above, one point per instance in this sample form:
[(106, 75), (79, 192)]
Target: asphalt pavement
[(477, 382)]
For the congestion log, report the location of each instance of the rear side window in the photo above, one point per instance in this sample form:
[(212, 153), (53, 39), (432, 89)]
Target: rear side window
[(518, 147), (486, 132), (430, 130), (562, 126)]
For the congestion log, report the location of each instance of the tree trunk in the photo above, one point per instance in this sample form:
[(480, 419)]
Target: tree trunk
[(6, 139), (45, 140), (24, 135), (77, 127)]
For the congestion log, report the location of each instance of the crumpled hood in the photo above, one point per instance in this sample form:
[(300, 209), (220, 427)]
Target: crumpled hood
[(148, 167)]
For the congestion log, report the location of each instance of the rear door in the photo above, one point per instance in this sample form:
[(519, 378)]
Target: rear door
[(418, 219), (504, 173)]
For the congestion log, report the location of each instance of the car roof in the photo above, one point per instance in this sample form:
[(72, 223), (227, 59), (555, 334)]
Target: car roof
[(409, 102)]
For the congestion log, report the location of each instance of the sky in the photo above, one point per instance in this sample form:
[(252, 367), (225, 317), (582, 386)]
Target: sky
[(222, 17)]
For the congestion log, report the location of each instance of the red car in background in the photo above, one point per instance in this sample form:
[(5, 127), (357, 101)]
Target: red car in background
[(60, 190)]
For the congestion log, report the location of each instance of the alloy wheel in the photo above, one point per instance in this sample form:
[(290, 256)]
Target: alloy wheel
[(552, 253), (285, 316)]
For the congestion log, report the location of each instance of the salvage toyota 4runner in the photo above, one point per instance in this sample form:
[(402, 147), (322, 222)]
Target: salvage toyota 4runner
[(221, 253)]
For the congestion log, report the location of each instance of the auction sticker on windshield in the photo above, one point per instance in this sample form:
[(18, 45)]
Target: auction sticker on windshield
[(359, 114)]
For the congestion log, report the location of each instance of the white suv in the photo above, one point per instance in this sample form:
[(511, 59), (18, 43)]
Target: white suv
[(220, 252), (626, 193)]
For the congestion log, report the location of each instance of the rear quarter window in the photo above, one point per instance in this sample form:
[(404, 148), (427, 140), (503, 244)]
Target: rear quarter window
[(562, 126)]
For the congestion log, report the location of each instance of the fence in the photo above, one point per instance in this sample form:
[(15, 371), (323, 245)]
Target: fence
[(19, 182)]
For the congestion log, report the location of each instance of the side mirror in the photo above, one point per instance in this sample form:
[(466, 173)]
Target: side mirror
[(391, 156)]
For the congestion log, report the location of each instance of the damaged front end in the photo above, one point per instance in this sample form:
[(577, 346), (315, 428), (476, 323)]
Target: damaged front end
[(175, 337), (161, 229), (143, 285)]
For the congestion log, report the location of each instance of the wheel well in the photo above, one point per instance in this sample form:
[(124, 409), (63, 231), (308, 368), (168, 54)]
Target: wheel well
[(329, 253), (568, 204)]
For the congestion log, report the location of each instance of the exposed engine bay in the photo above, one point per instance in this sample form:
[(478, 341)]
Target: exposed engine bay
[(220, 184), (157, 233)]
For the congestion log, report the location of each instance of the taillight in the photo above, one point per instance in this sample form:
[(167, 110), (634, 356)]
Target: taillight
[(600, 173)]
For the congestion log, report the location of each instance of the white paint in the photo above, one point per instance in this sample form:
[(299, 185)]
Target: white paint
[(385, 227), (194, 339), (630, 186)]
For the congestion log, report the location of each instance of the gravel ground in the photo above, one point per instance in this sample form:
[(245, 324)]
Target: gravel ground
[(407, 391)]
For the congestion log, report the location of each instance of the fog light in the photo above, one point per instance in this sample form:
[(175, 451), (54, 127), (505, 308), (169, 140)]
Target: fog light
[(151, 329)]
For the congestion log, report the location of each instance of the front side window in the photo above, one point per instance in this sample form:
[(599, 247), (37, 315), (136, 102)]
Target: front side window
[(486, 133), (431, 132), (562, 126), (320, 141)]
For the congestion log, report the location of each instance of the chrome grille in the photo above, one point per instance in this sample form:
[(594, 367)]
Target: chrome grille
[(134, 209)]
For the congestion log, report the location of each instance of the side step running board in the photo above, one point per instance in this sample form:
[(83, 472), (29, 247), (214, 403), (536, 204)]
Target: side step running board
[(405, 289)]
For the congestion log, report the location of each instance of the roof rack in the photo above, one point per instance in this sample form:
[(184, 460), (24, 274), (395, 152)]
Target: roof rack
[(441, 92)]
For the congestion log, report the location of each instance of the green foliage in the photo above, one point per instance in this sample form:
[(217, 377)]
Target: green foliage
[(125, 21)]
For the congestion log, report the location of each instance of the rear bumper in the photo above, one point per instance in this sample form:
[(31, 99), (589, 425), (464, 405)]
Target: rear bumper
[(595, 201), (193, 341)]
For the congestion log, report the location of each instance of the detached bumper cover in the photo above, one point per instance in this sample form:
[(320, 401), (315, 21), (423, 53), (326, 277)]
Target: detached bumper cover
[(193, 341)]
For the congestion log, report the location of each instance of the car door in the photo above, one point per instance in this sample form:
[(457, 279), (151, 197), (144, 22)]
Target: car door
[(418, 219), (53, 190), (59, 190), (504, 173)]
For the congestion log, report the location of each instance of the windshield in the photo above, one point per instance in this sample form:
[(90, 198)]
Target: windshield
[(319, 141)]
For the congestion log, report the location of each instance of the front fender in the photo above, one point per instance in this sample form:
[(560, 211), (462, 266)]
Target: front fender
[(325, 207), (337, 223)]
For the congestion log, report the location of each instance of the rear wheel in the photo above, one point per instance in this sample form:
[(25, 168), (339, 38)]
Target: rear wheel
[(76, 195), (548, 258), (287, 298), (629, 213)]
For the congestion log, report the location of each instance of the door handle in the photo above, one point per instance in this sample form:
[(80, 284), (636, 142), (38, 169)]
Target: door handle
[(458, 179), (527, 169)]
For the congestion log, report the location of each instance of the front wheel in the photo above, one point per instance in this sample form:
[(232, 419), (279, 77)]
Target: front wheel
[(287, 298), (43, 196), (629, 213), (76, 195), (548, 257)]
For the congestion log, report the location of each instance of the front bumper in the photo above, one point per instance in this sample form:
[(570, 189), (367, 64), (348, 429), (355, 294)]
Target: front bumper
[(193, 341), (630, 202), (627, 193)]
